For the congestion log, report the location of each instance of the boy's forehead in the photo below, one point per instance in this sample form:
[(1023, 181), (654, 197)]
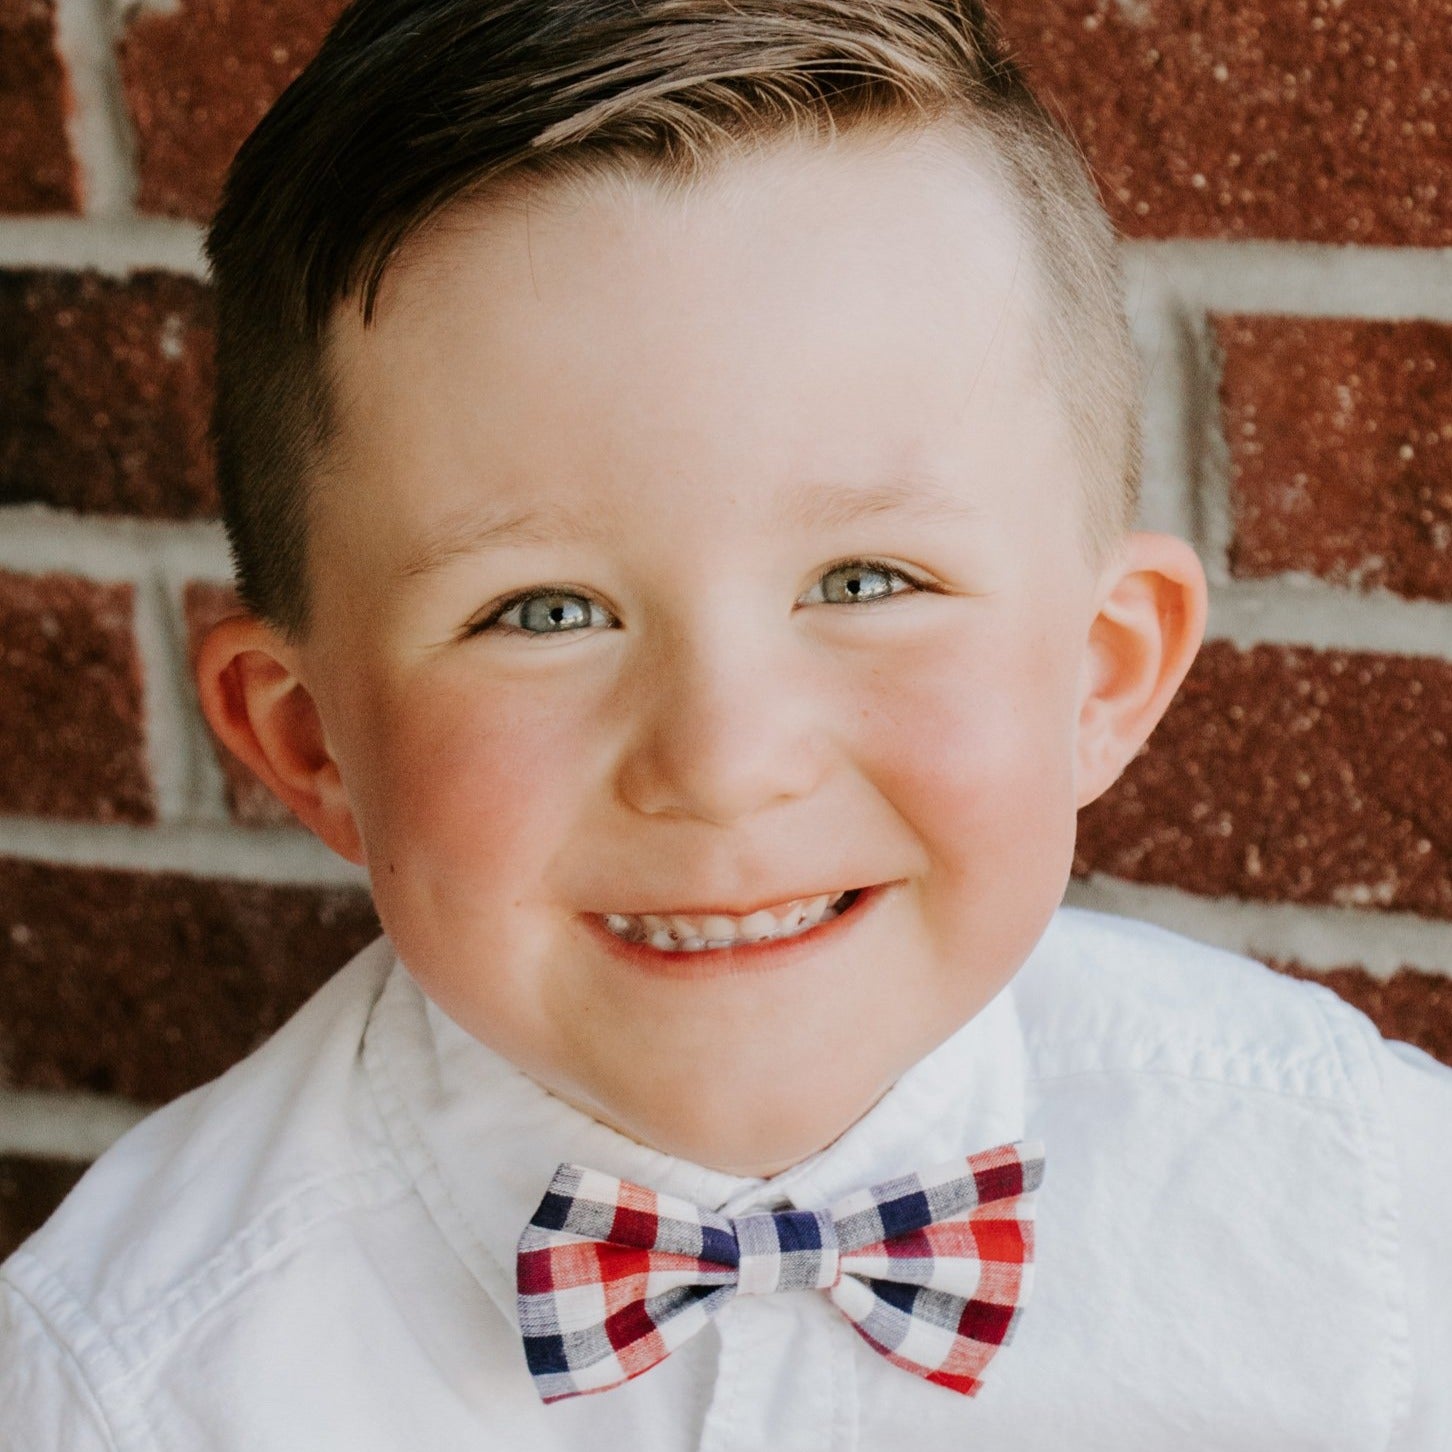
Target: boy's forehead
[(864, 174), (837, 302), (903, 208)]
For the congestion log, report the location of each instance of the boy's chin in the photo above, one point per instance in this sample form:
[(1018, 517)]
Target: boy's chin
[(756, 1139)]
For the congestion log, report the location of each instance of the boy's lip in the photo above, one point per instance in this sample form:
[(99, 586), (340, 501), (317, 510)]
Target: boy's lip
[(772, 955)]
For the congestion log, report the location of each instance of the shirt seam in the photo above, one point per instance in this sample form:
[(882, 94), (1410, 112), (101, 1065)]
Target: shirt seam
[(59, 1342), (847, 1418), (1351, 1031), (1346, 1033), (1147, 1070), (1347, 1027), (137, 1342)]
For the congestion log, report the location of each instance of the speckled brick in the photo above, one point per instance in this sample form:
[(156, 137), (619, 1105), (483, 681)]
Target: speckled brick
[(1309, 120), (37, 171), (1285, 774), (147, 985), (1411, 1005), (250, 803), (1340, 440), (105, 389), (199, 78), (72, 739), (30, 1189)]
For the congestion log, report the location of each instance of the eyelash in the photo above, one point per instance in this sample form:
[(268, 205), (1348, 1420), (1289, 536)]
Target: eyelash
[(493, 620)]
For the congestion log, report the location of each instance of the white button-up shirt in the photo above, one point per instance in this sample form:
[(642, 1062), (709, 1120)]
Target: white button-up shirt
[(1244, 1239)]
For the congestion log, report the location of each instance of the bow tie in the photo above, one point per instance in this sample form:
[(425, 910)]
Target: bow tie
[(931, 1269)]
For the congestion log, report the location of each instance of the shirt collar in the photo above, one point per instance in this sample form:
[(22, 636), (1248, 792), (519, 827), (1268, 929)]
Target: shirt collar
[(481, 1140)]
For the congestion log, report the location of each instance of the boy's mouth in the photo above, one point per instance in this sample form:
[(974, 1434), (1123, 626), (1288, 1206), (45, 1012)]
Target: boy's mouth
[(698, 932)]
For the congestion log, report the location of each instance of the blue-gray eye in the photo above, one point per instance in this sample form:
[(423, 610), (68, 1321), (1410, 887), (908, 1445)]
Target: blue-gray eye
[(546, 612), (550, 613), (858, 582)]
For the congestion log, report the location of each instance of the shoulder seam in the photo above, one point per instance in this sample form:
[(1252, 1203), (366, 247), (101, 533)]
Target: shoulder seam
[(135, 1342), (53, 1332), (1299, 1095), (1345, 1025), (1240, 1070)]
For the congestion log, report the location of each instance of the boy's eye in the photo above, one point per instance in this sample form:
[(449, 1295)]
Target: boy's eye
[(858, 582), (545, 612)]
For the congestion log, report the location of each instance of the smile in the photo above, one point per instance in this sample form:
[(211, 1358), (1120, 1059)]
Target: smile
[(701, 932)]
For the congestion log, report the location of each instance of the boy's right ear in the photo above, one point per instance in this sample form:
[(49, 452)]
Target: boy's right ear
[(268, 719)]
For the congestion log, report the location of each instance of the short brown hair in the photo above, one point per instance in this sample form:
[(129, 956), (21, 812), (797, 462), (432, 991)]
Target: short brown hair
[(413, 105)]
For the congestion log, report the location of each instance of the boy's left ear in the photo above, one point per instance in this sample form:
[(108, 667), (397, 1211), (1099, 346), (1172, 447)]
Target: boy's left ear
[(1141, 644)]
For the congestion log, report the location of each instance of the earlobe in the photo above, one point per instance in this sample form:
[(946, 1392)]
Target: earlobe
[(268, 719), (1141, 645)]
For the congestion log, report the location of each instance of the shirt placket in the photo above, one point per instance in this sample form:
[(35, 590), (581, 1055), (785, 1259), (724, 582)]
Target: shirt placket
[(785, 1378), (785, 1375)]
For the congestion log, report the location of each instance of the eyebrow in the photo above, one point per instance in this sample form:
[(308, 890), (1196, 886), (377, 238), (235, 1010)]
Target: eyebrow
[(475, 530)]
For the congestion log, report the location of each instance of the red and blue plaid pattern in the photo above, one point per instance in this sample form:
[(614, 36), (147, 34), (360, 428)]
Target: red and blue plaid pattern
[(932, 1269)]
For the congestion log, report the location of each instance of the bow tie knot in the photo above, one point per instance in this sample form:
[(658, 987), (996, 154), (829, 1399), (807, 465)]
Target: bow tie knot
[(786, 1250)]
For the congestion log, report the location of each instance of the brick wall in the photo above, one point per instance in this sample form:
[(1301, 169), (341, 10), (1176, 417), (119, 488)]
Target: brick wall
[(1280, 173)]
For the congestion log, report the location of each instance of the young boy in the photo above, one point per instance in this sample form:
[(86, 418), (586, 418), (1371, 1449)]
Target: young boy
[(680, 457)]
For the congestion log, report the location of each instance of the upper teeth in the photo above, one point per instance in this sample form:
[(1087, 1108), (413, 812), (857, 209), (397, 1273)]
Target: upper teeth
[(716, 930)]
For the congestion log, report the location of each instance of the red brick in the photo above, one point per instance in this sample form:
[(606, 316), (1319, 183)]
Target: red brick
[(1289, 775), (1340, 437), (37, 170), (200, 79), (1306, 119), (72, 739), (146, 985), (1412, 1006), (30, 1188), (105, 389), (251, 803)]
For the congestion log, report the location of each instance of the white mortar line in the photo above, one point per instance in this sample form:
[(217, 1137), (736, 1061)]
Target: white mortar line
[(60, 1126), (114, 245), (1167, 502), (1317, 937), (206, 782), (99, 126), (1299, 609), (1293, 278), (1293, 608), (170, 740), (1304, 278), (36, 540), (1207, 450), (279, 855), (80, 1127)]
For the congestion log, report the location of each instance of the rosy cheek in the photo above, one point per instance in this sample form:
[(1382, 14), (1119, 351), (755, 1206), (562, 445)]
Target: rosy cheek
[(470, 783), (967, 745)]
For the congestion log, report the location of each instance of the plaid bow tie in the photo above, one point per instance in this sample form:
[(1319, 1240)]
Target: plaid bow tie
[(931, 1269)]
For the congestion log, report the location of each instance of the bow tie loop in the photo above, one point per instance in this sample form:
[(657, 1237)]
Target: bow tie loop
[(931, 1269)]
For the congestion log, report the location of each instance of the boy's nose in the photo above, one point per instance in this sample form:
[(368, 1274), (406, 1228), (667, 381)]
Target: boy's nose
[(721, 734)]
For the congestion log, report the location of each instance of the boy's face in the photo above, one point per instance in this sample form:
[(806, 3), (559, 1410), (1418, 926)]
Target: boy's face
[(710, 412)]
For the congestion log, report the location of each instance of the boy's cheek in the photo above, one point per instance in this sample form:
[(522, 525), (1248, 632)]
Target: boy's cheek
[(450, 788), (983, 777), (964, 731)]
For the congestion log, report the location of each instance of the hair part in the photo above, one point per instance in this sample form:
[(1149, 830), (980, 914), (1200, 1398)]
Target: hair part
[(410, 108)]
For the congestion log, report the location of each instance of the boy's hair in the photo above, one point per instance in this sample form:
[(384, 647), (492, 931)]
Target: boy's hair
[(412, 105)]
